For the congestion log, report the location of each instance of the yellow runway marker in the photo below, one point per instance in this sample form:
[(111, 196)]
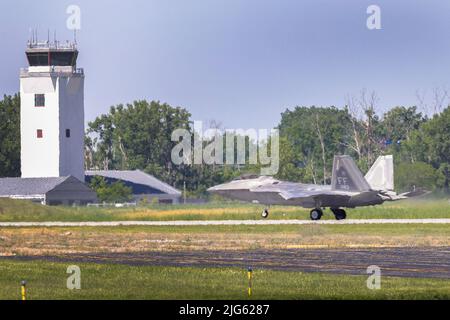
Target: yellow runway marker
[(249, 274), (24, 290)]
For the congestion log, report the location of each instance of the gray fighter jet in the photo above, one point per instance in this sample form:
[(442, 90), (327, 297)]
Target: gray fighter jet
[(348, 189)]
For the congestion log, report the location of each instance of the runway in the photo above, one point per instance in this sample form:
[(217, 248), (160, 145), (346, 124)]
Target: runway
[(221, 223), (423, 262)]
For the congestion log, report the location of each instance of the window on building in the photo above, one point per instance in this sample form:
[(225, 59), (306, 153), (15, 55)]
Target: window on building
[(37, 59), (39, 100), (67, 133), (39, 133)]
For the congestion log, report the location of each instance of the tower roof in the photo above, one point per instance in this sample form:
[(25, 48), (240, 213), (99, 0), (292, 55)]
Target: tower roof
[(41, 54)]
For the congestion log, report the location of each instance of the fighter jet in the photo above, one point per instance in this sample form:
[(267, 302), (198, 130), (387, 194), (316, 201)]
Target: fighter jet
[(348, 189)]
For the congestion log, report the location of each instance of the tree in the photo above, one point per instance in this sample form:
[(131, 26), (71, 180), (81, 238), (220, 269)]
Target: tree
[(356, 142), (398, 126), (415, 175), (137, 136), (112, 193), (366, 127), (10, 136), (368, 103), (399, 122), (315, 136), (431, 144), (290, 169), (102, 142)]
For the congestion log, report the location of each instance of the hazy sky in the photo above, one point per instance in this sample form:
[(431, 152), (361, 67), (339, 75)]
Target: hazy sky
[(241, 62)]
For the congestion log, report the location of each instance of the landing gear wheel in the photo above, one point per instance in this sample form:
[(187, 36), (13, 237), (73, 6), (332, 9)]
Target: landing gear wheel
[(265, 213), (339, 214), (316, 214)]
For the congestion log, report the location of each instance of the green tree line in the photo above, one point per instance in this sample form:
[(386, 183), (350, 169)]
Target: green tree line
[(138, 136)]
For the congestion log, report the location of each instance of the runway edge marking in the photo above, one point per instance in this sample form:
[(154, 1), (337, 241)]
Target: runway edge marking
[(221, 223)]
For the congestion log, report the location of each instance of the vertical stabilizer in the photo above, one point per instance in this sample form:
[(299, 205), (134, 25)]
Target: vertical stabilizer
[(347, 176), (381, 176)]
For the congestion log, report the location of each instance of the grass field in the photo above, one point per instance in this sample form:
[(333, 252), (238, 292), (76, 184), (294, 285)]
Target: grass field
[(47, 280), (16, 211), (39, 241)]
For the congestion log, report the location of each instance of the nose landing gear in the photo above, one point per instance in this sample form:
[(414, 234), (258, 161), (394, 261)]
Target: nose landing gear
[(265, 213), (316, 214)]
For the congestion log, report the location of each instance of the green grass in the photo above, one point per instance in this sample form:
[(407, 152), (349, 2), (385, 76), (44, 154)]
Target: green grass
[(306, 230), (16, 210), (106, 281)]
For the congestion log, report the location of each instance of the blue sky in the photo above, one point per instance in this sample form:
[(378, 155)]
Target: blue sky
[(240, 62)]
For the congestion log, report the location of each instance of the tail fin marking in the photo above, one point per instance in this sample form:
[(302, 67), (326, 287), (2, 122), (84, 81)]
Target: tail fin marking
[(346, 176)]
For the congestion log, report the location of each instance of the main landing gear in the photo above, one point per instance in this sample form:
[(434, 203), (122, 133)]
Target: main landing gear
[(339, 214), (265, 213), (316, 214)]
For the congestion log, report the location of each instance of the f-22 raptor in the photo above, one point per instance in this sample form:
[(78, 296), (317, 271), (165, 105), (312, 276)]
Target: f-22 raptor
[(348, 189)]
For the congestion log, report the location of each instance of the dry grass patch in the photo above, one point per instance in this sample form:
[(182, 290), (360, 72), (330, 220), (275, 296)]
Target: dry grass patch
[(41, 241)]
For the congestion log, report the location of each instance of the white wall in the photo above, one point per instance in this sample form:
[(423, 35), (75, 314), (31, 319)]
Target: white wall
[(39, 157), (54, 155), (71, 116)]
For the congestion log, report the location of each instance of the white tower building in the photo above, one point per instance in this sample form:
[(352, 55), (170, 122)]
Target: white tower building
[(52, 112)]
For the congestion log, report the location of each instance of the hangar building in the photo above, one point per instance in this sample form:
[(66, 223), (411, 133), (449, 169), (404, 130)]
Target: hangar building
[(50, 191), (143, 185)]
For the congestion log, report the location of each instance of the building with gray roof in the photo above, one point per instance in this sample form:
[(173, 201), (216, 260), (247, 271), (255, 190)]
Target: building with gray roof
[(50, 191), (143, 185)]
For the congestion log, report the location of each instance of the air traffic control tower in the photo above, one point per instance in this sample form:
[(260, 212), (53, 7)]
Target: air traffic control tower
[(52, 112)]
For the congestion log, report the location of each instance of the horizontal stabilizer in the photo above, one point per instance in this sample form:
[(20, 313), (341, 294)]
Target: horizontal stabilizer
[(415, 193)]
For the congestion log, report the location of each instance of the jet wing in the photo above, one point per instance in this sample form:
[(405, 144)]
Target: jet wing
[(299, 191)]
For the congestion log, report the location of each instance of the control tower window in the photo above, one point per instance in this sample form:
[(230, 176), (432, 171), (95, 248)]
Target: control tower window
[(53, 58), (63, 58), (38, 59), (39, 100)]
